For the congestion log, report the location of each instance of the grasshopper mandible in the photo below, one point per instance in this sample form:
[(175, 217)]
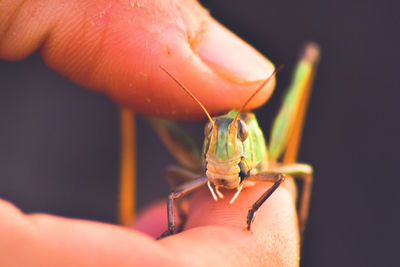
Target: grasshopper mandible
[(235, 151)]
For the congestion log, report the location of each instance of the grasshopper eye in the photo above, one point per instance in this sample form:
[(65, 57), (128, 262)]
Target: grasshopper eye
[(208, 129), (243, 131)]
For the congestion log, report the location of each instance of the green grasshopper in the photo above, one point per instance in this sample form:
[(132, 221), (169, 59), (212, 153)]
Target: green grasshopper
[(235, 152)]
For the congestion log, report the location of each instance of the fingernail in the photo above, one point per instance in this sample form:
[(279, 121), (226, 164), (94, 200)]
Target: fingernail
[(231, 57)]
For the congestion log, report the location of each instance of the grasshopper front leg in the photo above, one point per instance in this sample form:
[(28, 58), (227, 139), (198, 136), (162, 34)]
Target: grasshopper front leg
[(175, 176), (303, 172), (177, 194), (275, 177)]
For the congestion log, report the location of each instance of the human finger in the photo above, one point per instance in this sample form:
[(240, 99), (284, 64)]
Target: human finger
[(215, 231), (116, 47)]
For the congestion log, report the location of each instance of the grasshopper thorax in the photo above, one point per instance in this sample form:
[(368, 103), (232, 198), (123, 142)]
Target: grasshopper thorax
[(225, 163)]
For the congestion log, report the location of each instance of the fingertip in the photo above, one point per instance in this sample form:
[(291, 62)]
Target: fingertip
[(273, 239), (205, 210), (219, 68), (216, 233)]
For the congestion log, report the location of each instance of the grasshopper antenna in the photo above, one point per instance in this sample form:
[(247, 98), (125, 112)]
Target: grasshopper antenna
[(280, 67), (190, 94)]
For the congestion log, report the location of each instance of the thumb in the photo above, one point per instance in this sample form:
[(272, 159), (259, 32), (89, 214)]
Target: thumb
[(117, 47)]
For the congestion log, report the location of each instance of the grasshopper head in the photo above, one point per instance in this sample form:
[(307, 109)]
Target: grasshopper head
[(223, 149)]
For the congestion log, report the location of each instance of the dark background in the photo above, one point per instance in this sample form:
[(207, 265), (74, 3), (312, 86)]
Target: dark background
[(59, 144)]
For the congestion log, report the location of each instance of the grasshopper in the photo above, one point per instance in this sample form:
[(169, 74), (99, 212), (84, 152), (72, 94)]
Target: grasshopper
[(235, 152)]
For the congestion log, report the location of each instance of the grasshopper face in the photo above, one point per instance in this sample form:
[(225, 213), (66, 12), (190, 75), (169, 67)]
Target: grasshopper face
[(224, 158)]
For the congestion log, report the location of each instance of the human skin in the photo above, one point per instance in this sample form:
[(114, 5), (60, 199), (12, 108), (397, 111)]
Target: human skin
[(117, 48)]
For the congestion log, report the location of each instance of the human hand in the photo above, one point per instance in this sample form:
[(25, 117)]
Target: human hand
[(116, 48)]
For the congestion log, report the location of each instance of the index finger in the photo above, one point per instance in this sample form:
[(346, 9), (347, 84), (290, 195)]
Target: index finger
[(215, 231), (215, 236)]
